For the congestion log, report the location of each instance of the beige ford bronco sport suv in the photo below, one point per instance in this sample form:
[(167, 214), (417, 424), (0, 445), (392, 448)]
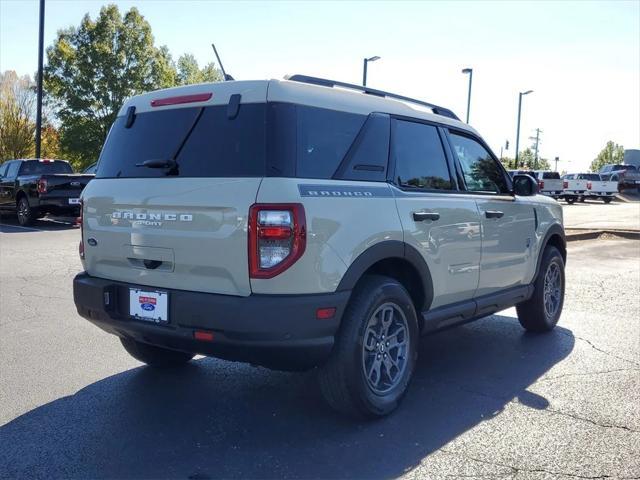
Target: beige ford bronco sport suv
[(307, 223)]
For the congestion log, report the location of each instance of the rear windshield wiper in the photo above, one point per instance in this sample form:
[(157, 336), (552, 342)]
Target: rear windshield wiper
[(158, 163)]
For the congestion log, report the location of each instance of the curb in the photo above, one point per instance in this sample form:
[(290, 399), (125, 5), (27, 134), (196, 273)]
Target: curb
[(574, 234)]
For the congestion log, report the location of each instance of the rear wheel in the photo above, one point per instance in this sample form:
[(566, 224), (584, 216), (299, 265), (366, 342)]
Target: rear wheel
[(155, 356), (607, 199), (375, 353), (582, 199), (541, 312), (26, 214), (570, 200)]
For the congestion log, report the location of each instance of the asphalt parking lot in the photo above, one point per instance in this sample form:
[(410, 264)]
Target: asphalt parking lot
[(488, 400)]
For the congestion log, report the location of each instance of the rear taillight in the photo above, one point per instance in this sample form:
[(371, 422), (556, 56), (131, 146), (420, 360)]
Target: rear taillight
[(565, 184), (80, 218), (277, 238), (540, 184), (589, 185), (42, 185)]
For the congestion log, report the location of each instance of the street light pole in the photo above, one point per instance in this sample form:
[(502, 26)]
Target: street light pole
[(470, 72), (39, 94), (522, 94), (364, 68)]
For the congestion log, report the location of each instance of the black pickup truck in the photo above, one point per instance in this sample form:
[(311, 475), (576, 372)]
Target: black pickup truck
[(34, 187)]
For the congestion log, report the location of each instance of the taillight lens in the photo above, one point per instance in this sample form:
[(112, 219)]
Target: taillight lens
[(589, 185), (42, 185), (540, 184), (277, 238), (565, 184), (80, 221)]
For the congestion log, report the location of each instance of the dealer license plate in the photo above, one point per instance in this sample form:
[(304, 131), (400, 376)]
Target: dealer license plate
[(152, 306)]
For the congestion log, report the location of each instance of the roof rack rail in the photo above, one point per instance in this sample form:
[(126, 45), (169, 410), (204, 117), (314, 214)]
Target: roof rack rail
[(371, 91)]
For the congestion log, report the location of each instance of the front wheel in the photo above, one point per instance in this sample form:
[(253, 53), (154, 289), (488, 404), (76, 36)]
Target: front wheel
[(375, 353), (155, 356), (541, 312)]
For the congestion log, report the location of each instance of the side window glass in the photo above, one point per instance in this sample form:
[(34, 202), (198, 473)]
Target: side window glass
[(3, 169), (12, 170), (419, 156), (481, 172)]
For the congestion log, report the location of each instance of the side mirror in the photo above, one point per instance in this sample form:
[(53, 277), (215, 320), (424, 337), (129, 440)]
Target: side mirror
[(524, 185)]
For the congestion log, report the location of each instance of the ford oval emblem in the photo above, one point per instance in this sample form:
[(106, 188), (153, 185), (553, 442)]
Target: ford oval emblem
[(92, 241), (75, 184), (148, 307)]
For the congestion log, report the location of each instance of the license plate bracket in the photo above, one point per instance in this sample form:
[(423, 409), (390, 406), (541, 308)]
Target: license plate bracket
[(149, 305)]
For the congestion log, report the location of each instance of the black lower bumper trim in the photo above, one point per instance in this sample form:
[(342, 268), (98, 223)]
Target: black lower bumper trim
[(277, 331)]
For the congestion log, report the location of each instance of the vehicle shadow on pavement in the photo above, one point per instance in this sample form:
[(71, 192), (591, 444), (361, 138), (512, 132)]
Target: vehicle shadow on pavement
[(215, 419), (9, 224)]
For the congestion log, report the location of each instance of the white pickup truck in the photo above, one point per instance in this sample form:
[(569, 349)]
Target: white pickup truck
[(597, 188), (573, 187)]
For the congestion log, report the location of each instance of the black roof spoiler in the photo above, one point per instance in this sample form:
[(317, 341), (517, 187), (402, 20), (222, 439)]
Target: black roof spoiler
[(445, 112)]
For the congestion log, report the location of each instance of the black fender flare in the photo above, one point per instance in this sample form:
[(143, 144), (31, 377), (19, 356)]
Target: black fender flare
[(384, 250), (555, 229)]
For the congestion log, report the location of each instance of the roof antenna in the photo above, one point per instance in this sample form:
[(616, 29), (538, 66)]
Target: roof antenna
[(224, 74)]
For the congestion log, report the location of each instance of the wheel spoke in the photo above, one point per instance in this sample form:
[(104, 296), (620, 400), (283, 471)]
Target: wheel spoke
[(375, 368)]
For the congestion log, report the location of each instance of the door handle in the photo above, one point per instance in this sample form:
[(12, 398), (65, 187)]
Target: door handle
[(422, 216), (493, 214)]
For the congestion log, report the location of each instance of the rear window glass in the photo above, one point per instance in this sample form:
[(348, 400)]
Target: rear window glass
[(287, 140), (551, 175), (589, 176), (204, 142), (36, 167)]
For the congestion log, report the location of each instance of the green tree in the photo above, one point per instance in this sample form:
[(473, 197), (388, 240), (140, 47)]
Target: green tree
[(527, 161), (189, 72), (93, 68), (611, 153)]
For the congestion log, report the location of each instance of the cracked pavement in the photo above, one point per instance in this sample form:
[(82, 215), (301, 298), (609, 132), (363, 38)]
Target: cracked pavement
[(488, 401)]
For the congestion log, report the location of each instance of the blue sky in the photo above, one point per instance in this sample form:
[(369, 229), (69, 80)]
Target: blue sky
[(582, 59)]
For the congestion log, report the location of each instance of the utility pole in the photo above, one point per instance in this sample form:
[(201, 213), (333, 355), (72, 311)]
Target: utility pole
[(556, 160), (39, 94), (470, 72)]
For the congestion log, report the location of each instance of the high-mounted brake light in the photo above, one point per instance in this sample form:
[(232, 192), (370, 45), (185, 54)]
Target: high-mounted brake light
[(196, 97), (42, 185), (277, 238)]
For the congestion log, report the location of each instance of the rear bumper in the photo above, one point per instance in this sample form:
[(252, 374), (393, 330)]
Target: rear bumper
[(277, 331)]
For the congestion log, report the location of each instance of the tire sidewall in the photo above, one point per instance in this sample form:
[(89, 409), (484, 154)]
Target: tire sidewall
[(381, 404), (552, 255), (26, 220)]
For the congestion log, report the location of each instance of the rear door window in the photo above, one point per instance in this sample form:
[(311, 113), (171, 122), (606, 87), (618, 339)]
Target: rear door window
[(420, 162)]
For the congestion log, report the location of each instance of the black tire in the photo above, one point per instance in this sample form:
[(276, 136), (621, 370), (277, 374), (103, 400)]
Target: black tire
[(582, 199), (26, 215), (343, 380), (607, 199), (533, 315), (155, 356), (570, 200)]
